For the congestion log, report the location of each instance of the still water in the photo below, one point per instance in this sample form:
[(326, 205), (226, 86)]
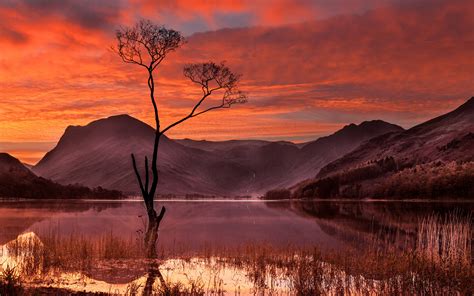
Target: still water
[(198, 224), (193, 227)]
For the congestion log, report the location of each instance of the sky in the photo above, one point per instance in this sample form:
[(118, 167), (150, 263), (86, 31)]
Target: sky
[(308, 67)]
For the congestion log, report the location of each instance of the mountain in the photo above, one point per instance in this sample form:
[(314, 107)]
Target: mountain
[(16, 180), (324, 150), (98, 154), (222, 146), (9, 165), (429, 155), (447, 137), (282, 164)]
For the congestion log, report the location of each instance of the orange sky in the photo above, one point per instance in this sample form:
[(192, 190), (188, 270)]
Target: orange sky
[(309, 67)]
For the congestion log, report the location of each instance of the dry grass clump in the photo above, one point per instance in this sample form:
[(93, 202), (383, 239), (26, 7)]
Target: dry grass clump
[(180, 289), (446, 239), (172, 289), (10, 282), (370, 272), (71, 252)]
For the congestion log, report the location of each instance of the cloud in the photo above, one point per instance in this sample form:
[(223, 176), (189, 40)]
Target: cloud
[(229, 13), (403, 63), (394, 52), (86, 13), (12, 36)]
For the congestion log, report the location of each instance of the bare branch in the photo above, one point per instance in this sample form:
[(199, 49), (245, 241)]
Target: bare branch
[(146, 44), (146, 174), (212, 77), (162, 213), (139, 178)]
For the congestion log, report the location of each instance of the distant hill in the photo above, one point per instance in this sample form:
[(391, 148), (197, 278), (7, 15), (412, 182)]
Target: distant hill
[(98, 154), (17, 181), (222, 146), (431, 140), (429, 155), (9, 165), (324, 150)]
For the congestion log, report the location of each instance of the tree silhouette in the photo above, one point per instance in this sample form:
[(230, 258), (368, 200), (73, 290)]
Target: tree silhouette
[(147, 44)]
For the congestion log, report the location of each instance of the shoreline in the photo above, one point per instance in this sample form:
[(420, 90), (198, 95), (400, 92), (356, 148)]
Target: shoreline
[(236, 200)]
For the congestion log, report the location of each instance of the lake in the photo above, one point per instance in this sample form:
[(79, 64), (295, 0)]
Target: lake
[(224, 223), (195, 229)]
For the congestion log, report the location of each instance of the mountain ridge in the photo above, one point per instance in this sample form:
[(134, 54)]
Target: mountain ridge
[(98, 154), (431, 160), (18, 181), (420, 142)]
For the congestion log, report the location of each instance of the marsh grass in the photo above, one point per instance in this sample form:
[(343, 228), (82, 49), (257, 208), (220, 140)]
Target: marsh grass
[(439, 263), (311, 272), (446, 239), (10, 282), (195, 288), (72, 252)]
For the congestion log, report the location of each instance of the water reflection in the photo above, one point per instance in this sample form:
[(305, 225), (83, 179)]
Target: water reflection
[(17, 217), (198, 225), (209, 275), (355, 222), (96, 246), (187, 225)]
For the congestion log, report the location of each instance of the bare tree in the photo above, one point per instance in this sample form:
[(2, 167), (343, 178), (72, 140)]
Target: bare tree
[(147, 44)]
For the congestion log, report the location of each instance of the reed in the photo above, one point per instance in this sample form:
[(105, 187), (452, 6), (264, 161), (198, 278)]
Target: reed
[(446, 239), (439, 263), (72, 252), (10, 281)]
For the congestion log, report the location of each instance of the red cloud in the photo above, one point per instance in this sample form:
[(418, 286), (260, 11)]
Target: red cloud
[(303, 79)]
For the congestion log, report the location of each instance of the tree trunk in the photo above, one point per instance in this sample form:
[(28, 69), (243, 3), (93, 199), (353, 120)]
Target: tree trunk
[(151, 235)]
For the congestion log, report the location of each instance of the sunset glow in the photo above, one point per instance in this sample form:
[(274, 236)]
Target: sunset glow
[(308, 67)]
